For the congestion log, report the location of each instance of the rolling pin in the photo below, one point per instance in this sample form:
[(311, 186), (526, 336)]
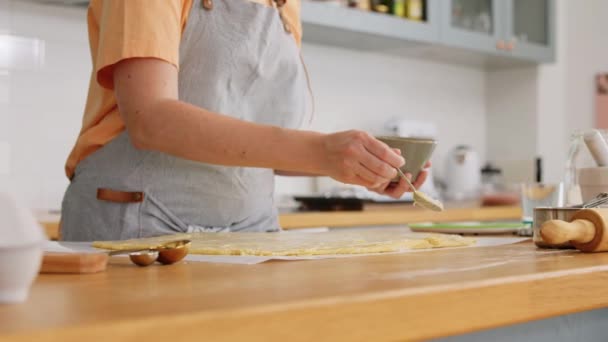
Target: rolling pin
[(587, 231)]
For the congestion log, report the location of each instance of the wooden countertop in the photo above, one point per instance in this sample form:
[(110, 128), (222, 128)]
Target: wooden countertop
[(389, 215), (388, 297), (395, 215)]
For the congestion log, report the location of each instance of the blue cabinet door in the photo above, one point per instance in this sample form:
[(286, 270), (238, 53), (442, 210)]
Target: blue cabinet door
[(530, 30), (353, 28), (474, 24)]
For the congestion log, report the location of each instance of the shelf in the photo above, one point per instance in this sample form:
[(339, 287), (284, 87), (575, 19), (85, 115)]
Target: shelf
[(359, 30)]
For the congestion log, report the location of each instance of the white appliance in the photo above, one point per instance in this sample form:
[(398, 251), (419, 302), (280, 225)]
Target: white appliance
[(462, 174)]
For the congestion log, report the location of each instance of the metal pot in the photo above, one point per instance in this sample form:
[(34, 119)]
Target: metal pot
[(542, 215)]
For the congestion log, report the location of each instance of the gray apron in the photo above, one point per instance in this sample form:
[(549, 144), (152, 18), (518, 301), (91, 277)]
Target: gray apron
[(237, 59)]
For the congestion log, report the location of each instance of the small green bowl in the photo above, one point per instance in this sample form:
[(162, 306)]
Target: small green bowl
[(416, 151)]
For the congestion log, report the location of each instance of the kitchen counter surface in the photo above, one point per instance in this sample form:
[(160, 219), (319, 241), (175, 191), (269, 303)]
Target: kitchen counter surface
[(395, 215), (381, 215), (387, 297)]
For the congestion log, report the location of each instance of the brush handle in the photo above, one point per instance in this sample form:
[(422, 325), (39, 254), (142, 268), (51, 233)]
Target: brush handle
[(402, 175)]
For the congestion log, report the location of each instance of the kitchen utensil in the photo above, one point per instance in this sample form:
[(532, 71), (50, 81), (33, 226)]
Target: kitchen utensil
[(462, 174), (144, 258), (74, 262), (592, 180), (475, 228), (598, 201), (420, 198), (416, 152), (167, 253), (597, 147), (21, 240), (542, 215), (172, 252), (587, 230)]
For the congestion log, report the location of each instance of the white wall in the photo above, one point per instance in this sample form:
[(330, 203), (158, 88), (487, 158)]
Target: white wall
[(364, 90), (552, 139), (566, 89), (42, 107), (511, 114), (587, 55), (539, 108)]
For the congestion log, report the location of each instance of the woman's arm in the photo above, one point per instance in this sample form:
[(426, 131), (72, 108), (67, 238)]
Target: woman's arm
[(147, 94), (294, 174)]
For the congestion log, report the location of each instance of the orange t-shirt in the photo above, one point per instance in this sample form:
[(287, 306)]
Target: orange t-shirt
[(119, 30)]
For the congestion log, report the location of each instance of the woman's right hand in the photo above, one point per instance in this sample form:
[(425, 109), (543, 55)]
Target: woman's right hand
[(356, 157)]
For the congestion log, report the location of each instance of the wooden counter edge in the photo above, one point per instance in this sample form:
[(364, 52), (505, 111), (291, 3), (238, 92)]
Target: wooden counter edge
[(371, 218), (395, 315), (395, 217)]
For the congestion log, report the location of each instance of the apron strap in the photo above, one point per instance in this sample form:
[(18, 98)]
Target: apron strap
[(310, 92), (280, 4)]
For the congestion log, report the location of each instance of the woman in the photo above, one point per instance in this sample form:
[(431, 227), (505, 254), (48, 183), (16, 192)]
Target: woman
[(192, 109)]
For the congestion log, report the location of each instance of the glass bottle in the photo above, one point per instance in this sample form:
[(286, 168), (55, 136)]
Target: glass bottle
[(573, 161)]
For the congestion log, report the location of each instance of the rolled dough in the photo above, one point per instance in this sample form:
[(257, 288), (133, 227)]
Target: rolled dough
[(298, 244)]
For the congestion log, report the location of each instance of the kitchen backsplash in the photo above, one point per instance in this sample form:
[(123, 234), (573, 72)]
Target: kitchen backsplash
[(41, 103)]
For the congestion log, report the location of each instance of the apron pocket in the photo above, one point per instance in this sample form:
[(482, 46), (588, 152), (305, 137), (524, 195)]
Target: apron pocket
[(121, 209), (156, 219), (85, 217)]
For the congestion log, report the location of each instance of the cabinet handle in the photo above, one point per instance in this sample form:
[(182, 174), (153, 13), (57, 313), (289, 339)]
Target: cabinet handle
[(510, 46), (500, 45)]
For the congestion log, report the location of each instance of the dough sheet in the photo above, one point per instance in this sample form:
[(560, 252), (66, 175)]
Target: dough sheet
[(298, 244)]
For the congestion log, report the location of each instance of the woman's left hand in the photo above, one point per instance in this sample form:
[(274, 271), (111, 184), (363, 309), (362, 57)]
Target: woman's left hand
[(396, 190)]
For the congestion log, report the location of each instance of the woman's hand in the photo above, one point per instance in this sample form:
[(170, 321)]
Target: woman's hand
[(396, 190), (356, 157)]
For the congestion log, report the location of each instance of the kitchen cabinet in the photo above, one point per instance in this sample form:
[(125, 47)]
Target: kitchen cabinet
[(485, 32), (522, 29), (364, 30), (473, 24), (480, 32), (530, 29)]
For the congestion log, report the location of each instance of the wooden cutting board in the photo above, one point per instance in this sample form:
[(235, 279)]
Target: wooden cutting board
[(74, 262)]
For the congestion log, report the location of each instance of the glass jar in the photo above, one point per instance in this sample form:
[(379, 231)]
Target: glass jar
[(571, 185), (579, 157)]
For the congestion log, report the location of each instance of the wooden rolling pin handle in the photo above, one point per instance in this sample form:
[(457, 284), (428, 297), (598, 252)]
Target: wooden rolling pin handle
[(558, 232)]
